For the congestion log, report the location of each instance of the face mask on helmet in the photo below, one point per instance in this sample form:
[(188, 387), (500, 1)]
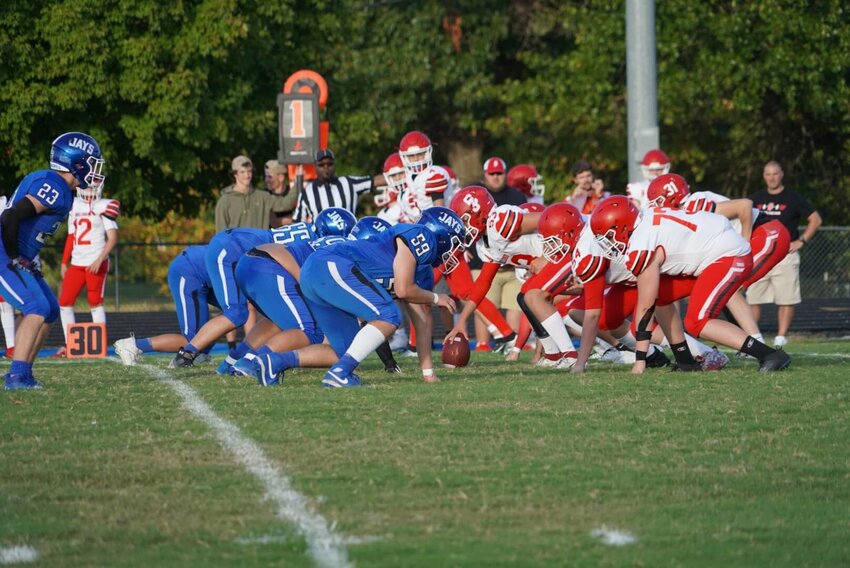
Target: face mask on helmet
[(448, 231), (472, 204), (415, 151), (560, 226), (612, 223), (654, 164), (90, 194), (78, 154)]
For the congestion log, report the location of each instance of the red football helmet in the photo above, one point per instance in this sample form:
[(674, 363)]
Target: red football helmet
[(559, 225), (396, 180), (667, 190), (415, 149), (507, 221), (612, 223), (655, 163), (525, 178), (473, 204), (533, 207)]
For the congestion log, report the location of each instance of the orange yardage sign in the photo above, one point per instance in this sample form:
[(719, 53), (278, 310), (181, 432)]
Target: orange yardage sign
[(86, 340)]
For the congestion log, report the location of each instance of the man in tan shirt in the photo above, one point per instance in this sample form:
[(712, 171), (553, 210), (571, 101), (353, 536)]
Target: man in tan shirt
[(243, 206)]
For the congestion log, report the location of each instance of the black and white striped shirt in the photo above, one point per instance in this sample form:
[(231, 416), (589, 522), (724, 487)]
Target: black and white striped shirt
[(338, 192)]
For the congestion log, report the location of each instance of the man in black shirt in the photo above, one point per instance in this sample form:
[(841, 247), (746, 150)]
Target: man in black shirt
[(781, 286)]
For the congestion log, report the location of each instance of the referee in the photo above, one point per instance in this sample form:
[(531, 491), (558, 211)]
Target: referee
[(327, 190)]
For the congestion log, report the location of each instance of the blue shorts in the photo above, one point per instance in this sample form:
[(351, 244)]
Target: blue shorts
[(192, 296), (27, 292), (338, 293), (276, 294), (221, 258)]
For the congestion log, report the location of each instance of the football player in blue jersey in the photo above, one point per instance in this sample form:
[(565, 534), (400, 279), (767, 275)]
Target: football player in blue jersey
[(192, 291), (223, 254), (38, 207), (358, 279)]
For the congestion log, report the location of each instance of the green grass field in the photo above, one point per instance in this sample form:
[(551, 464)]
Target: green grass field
[(498, 465)]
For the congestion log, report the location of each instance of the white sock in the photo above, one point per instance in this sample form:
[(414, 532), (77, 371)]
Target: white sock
[(494, 331), (758, 337), (572, 324), (98, 315), (365, 342), (628, 340), (696, 347), (549, 345), (555, 326), (7, 317), (66, 315)]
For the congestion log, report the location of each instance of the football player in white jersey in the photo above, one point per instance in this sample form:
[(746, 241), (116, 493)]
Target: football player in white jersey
[(426, 185), (387, 199), (511, 239), (701, 256), (654, 163), (92, 234), (769, 239)]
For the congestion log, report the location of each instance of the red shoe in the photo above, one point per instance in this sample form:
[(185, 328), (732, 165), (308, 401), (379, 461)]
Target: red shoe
[(10, 352), (483, 347), (59, 354)]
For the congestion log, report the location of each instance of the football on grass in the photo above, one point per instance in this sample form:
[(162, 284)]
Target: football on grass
[(456, 352)]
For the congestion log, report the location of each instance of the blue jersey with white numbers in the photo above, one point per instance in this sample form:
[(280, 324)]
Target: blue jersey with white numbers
[(49, 189), (247, 239), (303, 249), (374, 257)]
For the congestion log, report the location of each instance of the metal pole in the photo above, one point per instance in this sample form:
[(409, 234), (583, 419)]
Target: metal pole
[(117, 297), (641, 82)]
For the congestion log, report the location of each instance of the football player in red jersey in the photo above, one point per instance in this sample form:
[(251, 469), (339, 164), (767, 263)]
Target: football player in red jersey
[(701, 255), (528, 180), (92, 234), (654, 163)]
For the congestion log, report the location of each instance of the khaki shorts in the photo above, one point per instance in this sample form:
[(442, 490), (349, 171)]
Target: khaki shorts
[(504, 290), (780, 286)]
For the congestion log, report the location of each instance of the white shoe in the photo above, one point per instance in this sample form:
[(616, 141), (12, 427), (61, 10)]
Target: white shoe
[(780, 341), (566, 362), (614, 355), (544, 362), (128, 352), (398, 341)]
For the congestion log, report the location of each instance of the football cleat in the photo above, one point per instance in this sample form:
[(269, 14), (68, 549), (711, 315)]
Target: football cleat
[(259, 367), (224, 368), (694, 367), (127, 351), (20, 382), (550, 360), (482, 347), (567, 361), (60, 354), (203, 358), (504, 344), (392, 367), (714, 360), (336, 380), (183, 359), (657, 359), (10, 352), (776, 361)]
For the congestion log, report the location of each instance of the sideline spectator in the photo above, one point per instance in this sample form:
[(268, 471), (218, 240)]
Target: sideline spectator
[(328, 190), (588, 190), (243, 206), (275, 177), (781, 286)]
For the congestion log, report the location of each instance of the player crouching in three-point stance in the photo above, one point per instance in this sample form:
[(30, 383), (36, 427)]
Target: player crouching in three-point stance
[(358, 279), (702, 257), (38, 207)]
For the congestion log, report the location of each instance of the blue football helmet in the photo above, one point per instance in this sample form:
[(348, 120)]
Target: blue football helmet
[(369, 227), (449, 231), (334, 221), (78, 154)]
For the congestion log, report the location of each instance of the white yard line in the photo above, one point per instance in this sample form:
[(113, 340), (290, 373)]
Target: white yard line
[(18, 555), (325, 546), (613, 537)]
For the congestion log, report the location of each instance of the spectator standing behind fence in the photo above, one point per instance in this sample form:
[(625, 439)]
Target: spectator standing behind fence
[(243, 206), (92, 234), (588, 190), (276, 184), (328, 190), (781, 286)]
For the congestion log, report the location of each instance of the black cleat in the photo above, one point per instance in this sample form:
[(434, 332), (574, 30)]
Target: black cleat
[(776, 361), (694, 367), (392, 367), (504, 344), (657, 360), (183, 359)]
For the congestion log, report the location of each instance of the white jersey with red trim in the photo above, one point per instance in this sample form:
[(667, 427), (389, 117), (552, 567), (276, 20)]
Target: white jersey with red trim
[(637, 191), (88, 222), (705, 200), (392, 213), (418, 195), (496, 248), (589, 261), (691, 241)]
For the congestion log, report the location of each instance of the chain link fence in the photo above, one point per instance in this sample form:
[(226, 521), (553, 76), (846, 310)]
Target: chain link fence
[(825, 265)]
